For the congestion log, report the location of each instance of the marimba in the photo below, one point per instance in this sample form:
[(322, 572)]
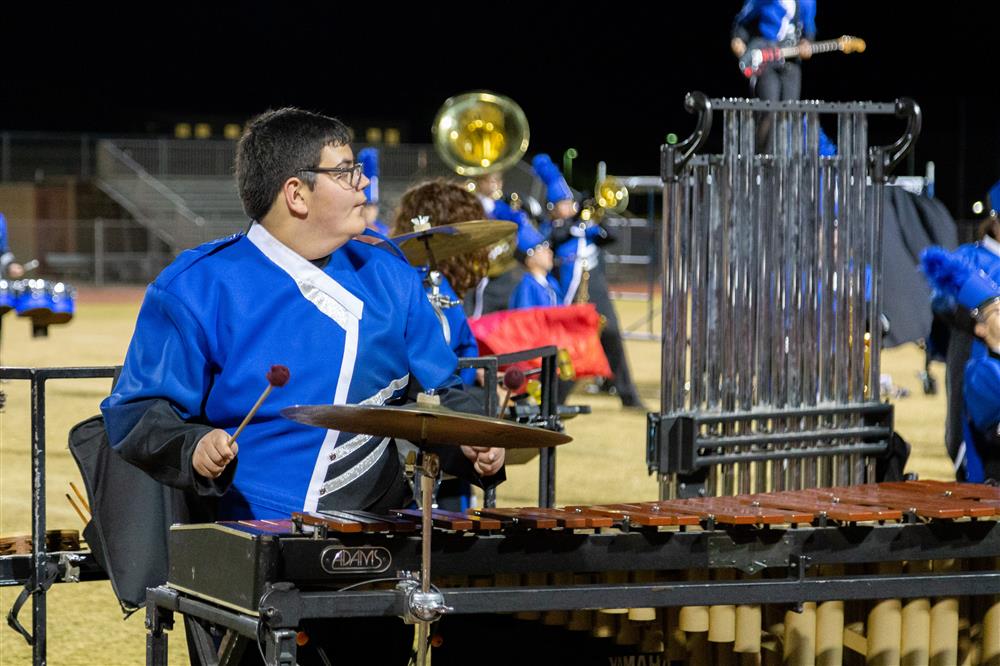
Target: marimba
[(778, 575)]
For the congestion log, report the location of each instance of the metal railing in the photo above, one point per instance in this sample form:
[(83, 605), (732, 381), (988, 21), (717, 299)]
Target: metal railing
[(35, 156), (41, 559), (152, 202), (99, 251)]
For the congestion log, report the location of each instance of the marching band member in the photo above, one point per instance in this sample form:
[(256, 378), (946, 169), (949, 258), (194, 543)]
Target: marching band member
[(492, 294), (778, 22), (349, 320), (577, 250), (9, 268), (954, 277), (444, 203), (952, 336), (368, 157), (537, 287)]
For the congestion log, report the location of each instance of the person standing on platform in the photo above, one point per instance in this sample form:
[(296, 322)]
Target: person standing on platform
[(770, 23)]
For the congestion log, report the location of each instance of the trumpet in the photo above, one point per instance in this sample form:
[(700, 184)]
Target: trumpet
[(609, 194)]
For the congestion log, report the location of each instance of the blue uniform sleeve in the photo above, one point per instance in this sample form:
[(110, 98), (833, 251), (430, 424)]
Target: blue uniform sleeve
[(557, 288), (463, 343), (982, 391), (807, 14), (523, 294), (168, 359), (154, 415), (431, 360), (747, 13)]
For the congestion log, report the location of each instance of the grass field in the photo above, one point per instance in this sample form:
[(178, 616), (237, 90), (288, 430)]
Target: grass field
[(605, 462)]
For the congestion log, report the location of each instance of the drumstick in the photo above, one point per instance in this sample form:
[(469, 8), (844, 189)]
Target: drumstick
[(80, 497), (77, 509), (276, 376), (513, 379)]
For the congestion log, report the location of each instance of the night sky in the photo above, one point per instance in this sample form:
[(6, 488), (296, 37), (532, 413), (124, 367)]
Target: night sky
[(609, 80)]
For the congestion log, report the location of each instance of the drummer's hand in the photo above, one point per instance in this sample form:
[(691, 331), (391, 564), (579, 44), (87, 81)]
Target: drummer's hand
[(15, 270), (486, 461), (213, 453)]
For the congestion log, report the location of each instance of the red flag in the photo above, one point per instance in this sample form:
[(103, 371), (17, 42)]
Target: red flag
[(575, 328)]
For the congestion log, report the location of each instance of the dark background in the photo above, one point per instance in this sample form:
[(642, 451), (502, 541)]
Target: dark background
[(606, 78)]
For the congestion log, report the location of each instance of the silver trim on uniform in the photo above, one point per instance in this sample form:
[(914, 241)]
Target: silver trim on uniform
[(355, 472)]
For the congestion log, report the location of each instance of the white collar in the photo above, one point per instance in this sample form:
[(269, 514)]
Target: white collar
[(302, 270), (990, 244)]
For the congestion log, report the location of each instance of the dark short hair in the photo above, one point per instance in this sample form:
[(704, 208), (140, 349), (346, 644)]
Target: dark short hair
[(275, 146)]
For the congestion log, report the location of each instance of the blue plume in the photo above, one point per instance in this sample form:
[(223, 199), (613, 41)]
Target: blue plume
[(556, 188), (945, 272)]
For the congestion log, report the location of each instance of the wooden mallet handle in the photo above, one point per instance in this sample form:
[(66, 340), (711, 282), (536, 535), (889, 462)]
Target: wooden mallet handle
[(276, 376)]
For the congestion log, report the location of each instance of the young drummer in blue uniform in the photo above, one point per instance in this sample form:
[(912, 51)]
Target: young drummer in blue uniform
[(955, 278), (349, 320)]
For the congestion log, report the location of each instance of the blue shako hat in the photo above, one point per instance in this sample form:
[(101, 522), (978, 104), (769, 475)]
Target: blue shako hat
[(556, 188), (954, 276), (993, 197), (528, 238), (369, 166)]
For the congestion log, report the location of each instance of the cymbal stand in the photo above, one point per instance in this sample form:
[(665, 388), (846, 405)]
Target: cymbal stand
[(424, 606)]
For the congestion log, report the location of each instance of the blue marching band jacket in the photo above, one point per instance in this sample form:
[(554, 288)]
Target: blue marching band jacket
[(968, 277), (358, 330)]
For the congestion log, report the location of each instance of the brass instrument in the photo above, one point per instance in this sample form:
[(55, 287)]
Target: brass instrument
[(480, 132), (609, 194), (612, 196)]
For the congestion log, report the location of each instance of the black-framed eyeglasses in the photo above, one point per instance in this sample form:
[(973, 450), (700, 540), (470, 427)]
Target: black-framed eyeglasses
[(347, 175)]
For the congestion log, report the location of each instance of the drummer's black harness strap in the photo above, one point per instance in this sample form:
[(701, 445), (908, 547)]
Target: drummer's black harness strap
[(30, 588)]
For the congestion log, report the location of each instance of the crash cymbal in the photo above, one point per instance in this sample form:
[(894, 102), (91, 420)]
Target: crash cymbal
[(452, 240), (432, 424)]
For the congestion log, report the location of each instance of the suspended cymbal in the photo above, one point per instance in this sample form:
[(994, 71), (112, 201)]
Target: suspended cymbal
[(452, 240), (435, 425)]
